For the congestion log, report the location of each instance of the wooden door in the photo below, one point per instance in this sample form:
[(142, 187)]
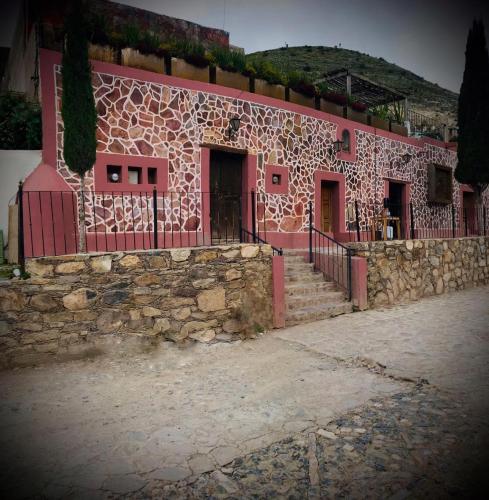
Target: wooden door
[(225, 196), (326, 208)]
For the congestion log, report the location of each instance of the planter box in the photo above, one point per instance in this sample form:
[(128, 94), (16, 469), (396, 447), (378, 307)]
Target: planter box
[(233, 80), (331, 107), (377, 122), (396, 128), (303, 100), (102, 53), (264, 88), (356, 116), (183, 69), (149, 62)]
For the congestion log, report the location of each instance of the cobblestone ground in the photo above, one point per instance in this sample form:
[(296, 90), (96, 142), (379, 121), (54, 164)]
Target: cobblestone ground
[(345, 408)]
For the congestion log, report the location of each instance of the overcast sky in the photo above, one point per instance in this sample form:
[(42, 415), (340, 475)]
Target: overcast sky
[(424, 36)]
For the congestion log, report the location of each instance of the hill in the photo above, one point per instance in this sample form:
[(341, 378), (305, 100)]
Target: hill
[(425, 97)]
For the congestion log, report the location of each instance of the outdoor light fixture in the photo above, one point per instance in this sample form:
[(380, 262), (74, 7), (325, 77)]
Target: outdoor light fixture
[(406, 157), (336, 148), (275, 179), (114, 177), (233, 126)]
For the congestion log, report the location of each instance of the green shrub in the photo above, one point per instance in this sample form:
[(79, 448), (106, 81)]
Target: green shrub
[(228, 60), (267, 71), (20, 122), (301, 82), (131, 36), (192, 52), (150, 44)]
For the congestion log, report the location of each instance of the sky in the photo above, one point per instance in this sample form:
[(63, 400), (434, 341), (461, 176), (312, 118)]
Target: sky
[(425, 36)]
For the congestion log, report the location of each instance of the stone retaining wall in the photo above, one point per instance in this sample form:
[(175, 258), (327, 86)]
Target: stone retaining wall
[(201, 294), (411, 269)]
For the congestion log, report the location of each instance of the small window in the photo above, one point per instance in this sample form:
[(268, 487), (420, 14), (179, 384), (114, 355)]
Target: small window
[(439, 184), (345, 137), (114, 174), (135, 175), (276, 179), (152, 176)]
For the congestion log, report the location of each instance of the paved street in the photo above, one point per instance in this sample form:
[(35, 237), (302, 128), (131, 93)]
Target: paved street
[(385, 403)]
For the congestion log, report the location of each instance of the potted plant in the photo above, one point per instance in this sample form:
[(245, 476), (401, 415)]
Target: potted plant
[(379, 117), (142, 51), (190, 61), (332, 102), (230, 68), (356, 111), (398, 128), (301, 90), (267, 80), (99, 47)]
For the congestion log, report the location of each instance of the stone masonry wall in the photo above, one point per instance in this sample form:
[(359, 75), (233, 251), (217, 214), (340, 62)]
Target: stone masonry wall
[(183, 295), (411, 269)]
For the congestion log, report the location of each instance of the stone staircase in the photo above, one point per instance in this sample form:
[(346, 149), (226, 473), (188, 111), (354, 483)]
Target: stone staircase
[(308, 297)]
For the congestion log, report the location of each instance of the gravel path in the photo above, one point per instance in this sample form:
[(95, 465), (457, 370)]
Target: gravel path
[(386, 403)]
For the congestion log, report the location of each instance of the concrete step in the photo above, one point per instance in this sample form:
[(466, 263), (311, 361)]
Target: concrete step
[(298, 265), (316, 313), (304, 278), (297, 302), (293, 258), (297, 288)]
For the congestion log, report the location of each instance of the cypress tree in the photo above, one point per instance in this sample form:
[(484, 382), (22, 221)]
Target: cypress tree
[(78, 106), (473, 113)]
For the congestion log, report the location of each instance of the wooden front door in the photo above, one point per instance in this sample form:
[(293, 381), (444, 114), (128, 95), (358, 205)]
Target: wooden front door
[(327, 207), (225, 196)]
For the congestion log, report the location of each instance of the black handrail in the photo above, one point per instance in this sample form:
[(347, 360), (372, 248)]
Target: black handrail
[(257, 239), (328, 255)]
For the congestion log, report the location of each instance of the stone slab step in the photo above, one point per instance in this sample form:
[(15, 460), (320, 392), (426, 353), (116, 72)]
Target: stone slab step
[(308, 314), (299, 302), (297, 288), (304, 278), (294, 258), (299, 265)]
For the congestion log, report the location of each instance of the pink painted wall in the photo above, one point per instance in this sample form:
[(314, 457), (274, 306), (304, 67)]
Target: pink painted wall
[(359, 283), (278, 276)]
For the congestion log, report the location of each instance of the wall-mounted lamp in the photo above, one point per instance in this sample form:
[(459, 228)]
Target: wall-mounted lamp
[(406, 158), (114, 177), (233, 126), (276, 179), (336, 147)]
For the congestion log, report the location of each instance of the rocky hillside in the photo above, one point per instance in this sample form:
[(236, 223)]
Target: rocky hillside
[(425, 97)]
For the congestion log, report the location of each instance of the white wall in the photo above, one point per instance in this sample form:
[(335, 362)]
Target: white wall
[(15, 165)]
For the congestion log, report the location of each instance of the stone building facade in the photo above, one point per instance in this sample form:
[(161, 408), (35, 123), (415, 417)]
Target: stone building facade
[(167, 130)]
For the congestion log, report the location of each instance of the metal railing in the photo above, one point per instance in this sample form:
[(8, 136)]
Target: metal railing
[(365, 222), (136, 220), (421, 125), (330, 257)]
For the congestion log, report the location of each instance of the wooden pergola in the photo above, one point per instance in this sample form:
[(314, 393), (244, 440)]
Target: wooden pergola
[(362, 89)]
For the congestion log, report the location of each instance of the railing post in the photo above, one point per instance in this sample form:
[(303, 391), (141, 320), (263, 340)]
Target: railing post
[(357, 217), (253, 215), (453, 222), (310, 232), (20, 236), (155, 219), (411, 215), (348, 258), (465, 222), (484, 220)]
